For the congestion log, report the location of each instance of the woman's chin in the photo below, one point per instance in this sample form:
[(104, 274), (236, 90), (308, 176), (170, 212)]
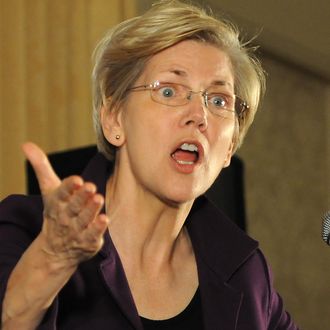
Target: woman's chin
[(180, 198)]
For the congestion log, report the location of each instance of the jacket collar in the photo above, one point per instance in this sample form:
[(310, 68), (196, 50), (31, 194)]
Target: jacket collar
[(220, 244), (98, 171), (220, 248)]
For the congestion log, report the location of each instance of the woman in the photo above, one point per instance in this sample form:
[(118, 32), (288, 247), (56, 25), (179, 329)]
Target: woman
[(169, 113)]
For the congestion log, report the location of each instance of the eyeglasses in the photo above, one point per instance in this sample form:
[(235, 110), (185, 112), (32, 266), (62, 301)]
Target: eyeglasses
[(173, 94)]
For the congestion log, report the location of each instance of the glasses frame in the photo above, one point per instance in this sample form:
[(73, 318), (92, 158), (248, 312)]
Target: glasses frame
[(240, 105)]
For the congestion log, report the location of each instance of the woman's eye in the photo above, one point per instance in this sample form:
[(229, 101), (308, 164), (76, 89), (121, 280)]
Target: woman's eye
[(167, 92), (219, 101)]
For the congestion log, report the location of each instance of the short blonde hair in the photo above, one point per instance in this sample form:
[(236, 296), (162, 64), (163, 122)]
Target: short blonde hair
[(121, 55)]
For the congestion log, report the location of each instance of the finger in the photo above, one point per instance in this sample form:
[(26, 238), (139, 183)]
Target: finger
[(68, 188), (94, 233), (80, 197), (55, 203), (90, 211), (47, 178)]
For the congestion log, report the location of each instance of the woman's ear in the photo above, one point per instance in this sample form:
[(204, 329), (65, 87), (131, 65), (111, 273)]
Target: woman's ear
[(111, 122), (229, 155)]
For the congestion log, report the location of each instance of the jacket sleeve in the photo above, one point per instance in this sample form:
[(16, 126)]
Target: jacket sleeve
[(262, 307), (278, 317), (20, 223)]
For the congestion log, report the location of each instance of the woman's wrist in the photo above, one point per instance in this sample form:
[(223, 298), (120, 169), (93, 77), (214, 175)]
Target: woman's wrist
[(52, 262), (34, 283)]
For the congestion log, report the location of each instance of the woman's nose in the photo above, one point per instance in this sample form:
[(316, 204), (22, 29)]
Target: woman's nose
[(196, 112)]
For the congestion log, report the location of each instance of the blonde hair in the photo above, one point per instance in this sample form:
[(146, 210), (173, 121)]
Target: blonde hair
[(121, 55)]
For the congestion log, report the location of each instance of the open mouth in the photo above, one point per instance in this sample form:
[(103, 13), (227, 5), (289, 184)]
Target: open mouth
[(186, 154)]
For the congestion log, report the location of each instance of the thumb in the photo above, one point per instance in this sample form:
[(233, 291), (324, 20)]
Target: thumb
[(47, 178)]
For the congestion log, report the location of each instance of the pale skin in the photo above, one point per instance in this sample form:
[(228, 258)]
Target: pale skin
[(147, 200)]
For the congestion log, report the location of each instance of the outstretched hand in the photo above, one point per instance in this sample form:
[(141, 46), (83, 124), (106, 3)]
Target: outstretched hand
[(73, 227)]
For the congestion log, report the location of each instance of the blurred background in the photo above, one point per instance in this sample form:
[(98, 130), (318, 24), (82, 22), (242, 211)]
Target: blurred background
[(45, 66)]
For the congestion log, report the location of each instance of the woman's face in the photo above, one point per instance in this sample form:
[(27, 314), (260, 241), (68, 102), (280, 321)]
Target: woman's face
[(154, 136)]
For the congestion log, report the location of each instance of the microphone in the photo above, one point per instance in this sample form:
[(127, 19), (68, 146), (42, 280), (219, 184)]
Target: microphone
[(326, 228)]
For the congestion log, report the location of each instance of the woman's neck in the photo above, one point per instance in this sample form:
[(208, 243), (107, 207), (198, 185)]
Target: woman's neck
[(154, 247), (144, 228)]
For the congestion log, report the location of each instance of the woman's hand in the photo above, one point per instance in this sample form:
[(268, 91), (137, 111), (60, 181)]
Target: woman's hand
[(73, 228), (72, 231)]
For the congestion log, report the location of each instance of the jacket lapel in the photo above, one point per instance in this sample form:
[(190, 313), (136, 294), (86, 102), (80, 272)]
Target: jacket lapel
[(220, 248), (115, 279), (221, 304), (98, 171)]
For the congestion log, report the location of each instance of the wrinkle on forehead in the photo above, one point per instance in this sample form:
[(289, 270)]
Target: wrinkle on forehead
[(193, 62)]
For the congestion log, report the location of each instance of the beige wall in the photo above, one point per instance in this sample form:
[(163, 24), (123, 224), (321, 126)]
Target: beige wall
[(286, 155), (45, 65)]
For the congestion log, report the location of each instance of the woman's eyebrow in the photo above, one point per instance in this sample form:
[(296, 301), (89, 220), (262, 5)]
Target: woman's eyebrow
[(179, 72), (175, 72), (221, 83)]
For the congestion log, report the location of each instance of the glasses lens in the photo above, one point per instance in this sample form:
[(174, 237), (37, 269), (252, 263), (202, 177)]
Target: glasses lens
[(220, 103), (170, 94)]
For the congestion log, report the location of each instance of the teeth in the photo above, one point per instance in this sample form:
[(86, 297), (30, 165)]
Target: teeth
[(189, 147), (182, 162)]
